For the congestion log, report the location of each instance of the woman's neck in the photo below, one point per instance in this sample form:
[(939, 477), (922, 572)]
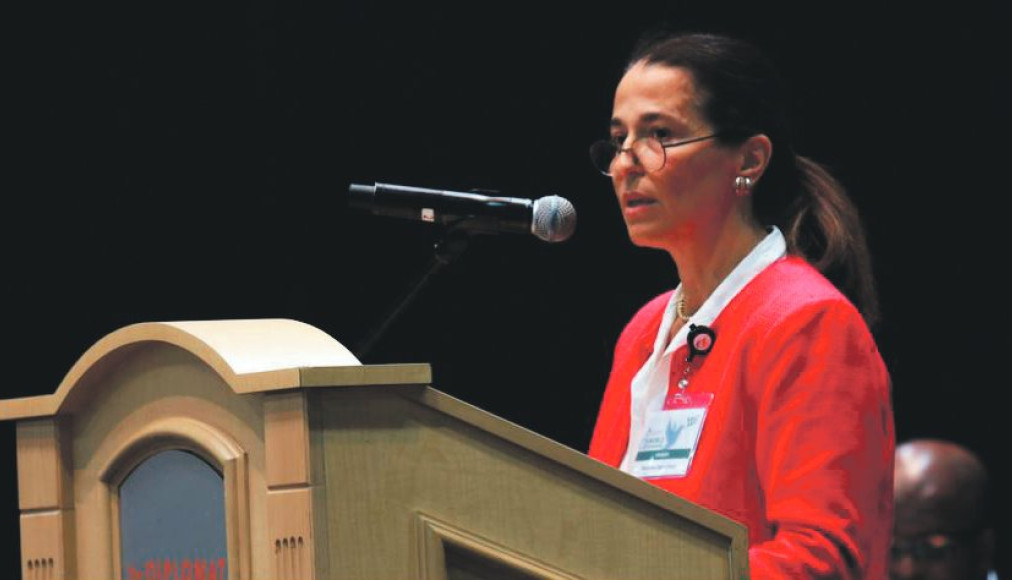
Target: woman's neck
[(703, 265)]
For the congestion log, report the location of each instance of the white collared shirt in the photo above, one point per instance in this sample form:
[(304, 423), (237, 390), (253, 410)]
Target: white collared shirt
[(650, 385)]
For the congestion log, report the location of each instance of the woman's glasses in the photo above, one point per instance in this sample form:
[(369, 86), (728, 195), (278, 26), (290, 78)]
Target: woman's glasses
[(648, 151)]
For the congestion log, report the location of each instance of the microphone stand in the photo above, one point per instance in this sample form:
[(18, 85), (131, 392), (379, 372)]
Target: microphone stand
[(450, 247)]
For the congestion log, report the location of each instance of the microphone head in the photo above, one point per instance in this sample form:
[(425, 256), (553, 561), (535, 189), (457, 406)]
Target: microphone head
[(554, 218)]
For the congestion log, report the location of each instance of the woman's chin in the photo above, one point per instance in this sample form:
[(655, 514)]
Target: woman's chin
[(645, 237)]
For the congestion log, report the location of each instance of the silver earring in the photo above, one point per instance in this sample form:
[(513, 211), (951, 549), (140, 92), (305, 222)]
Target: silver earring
[(742, 184)]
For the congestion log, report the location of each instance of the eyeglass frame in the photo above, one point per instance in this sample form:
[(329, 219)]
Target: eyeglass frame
[(646, 138), (921, 549)]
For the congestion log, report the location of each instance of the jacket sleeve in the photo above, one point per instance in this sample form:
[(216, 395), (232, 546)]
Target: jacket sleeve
[(607, 441), (611, 429), (824, 448)]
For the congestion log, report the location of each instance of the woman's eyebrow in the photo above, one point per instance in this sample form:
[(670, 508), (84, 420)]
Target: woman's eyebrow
[(646, 118)]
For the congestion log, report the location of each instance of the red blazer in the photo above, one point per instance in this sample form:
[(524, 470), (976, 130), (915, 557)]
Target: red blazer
[(798, 442)]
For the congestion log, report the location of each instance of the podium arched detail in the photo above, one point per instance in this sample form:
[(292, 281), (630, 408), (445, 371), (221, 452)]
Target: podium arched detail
[(212, 445)]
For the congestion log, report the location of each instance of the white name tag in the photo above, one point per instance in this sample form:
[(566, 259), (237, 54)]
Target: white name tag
[(672, 434)]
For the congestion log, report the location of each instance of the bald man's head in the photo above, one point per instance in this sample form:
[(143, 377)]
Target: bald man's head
[(941, 498), (939, 486)]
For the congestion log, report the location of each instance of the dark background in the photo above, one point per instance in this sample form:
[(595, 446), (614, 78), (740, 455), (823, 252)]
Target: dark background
[(190, 160)]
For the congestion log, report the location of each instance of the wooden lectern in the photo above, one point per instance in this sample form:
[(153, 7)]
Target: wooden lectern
[(329, 469)]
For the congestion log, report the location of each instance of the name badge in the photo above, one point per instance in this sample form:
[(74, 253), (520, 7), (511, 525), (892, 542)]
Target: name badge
[(672, 434)]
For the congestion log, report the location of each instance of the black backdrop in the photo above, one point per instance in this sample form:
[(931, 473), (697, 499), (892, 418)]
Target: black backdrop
[(190, 160)]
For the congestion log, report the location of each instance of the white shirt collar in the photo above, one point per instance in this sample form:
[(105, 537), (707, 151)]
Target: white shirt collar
[(769, 250)]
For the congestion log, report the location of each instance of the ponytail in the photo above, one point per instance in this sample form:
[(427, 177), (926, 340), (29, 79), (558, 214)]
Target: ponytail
[(825, 229)]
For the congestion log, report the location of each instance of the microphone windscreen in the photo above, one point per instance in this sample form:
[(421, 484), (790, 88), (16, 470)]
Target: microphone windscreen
[(554, 218)]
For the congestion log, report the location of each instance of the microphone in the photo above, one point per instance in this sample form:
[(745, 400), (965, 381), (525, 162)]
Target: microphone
[(551, 218)]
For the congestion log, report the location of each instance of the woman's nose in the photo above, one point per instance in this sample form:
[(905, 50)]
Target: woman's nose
[(625, 161)]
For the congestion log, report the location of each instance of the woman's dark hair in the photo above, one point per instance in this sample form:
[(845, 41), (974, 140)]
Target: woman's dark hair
[(740, 95)]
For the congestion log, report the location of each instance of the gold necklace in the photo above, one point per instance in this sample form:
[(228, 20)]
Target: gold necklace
[(680, 309)]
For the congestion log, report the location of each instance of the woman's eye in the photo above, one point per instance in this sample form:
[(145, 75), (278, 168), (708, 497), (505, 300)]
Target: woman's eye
[(617, 140), (660, 133)]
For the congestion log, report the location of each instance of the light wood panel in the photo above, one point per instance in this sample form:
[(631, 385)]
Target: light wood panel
[(290, 516), (438, 541), (47, 541), (289, 496), (42, 461), (394, 454), (286, 433), (45, 496)]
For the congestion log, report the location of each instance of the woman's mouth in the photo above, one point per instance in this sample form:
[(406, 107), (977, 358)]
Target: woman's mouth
[(636, 206)]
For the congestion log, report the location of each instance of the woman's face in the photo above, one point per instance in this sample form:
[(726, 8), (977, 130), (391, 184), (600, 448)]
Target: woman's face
[(692, 195)]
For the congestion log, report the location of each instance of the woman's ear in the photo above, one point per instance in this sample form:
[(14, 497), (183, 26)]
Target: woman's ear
[(755, 156)]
